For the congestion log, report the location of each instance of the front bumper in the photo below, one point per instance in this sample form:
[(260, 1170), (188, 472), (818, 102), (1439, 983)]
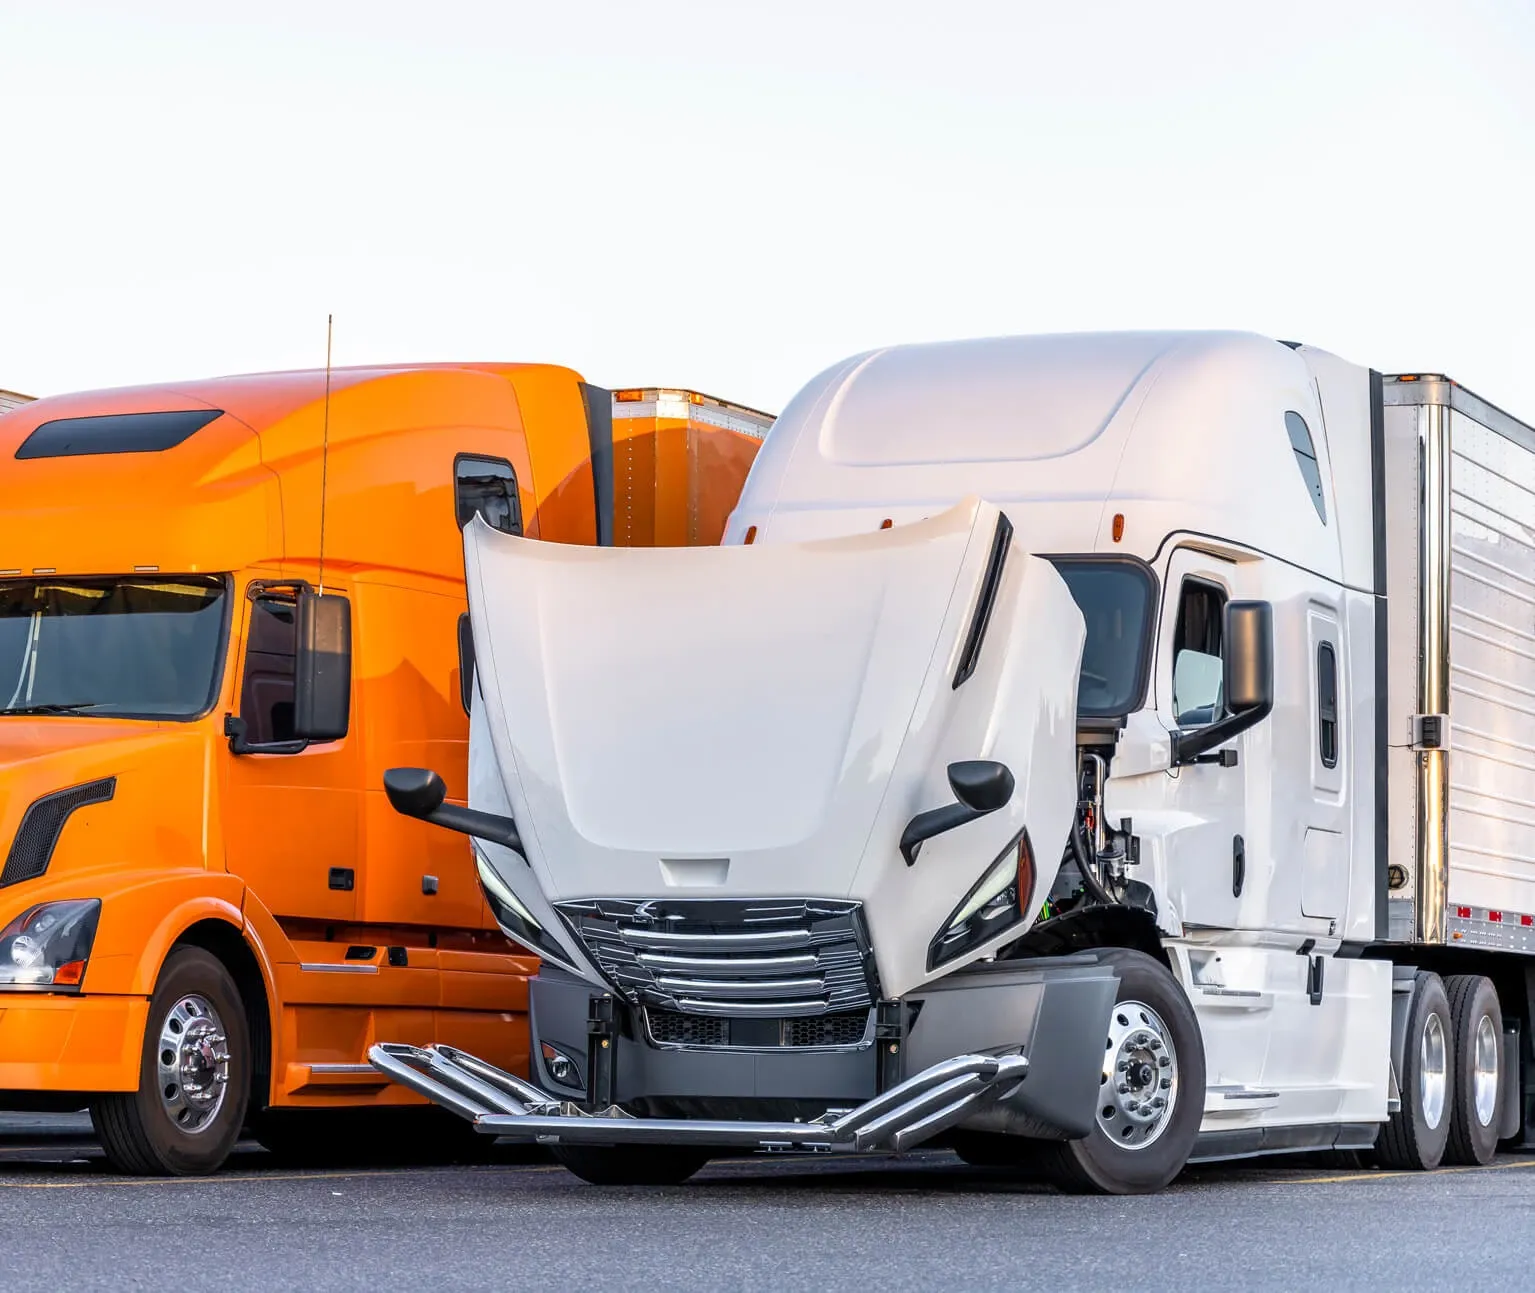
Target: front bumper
[(902, 1118), (1012, 1047), (81, 1043)]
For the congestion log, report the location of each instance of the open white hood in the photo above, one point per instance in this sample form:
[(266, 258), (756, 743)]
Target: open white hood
[(763, 721)]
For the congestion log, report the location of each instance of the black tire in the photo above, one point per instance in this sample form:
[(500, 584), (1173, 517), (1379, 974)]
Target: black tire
[(137, 1129), (630, 1164), (1101, 1164), (1414, 1138), (1476, 1020), (992, 1149)]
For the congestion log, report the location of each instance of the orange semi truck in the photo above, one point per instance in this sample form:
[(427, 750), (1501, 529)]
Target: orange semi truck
[(226, 607)]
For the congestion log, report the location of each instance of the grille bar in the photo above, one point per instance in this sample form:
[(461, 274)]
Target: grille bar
[(737, 988), (742, 965), (749, 957)]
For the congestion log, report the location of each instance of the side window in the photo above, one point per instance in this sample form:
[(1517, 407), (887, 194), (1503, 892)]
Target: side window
[(1327, 704), (266, 693), (1305, 457), (1198, 674), (487, 486)]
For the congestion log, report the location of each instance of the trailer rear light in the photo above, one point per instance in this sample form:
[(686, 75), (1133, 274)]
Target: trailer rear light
[(695, 398), (628, 397), (1463, 912), (1495, 915), (751, 534), (1527, 920)]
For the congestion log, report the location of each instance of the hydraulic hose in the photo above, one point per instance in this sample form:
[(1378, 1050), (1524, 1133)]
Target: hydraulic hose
[(1079, 852)]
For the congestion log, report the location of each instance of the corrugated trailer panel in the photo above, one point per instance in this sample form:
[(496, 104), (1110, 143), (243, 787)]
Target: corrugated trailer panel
[(1460, 712), (1492, 669), (10, 400), (679, 461)]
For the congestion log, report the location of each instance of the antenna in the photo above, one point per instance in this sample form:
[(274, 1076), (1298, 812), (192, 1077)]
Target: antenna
[(325, 450)]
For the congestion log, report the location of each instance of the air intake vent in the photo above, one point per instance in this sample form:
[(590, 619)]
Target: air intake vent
[(769, 958), (32, 849), (843, 1028)]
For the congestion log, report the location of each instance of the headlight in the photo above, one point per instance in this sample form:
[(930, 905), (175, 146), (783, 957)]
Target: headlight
[(47, 946), (996, 904), (517, 921)]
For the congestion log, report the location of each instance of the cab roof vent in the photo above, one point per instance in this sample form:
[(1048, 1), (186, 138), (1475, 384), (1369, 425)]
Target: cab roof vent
[(115, 433)]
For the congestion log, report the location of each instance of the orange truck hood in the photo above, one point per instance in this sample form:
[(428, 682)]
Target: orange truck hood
[(161, 776)]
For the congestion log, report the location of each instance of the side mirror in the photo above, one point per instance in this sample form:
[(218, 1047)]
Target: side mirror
[(322, 668), (983, 785), (414, 792), (420, 793), (980, 785), (1247, 662), (1249, 657)]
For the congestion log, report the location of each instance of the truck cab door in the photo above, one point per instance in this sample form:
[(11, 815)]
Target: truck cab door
[(291, 808), (1208, 851)]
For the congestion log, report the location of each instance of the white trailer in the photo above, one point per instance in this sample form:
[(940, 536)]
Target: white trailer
[(1103, 752)]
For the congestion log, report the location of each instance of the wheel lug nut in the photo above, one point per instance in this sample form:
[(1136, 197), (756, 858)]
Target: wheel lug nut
[(1124, 1088), (1164, 1061), (1166, 1083), (1159, 1103), (1156, 1043)]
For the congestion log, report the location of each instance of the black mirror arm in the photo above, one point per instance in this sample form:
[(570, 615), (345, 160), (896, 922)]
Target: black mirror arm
[(934, 822), (483, 826), (469, 821), (1188, 746), (237, 730)]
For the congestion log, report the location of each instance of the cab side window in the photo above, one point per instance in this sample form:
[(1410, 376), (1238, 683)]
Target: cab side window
[(487, 486), (1198, 674), (266, 694)]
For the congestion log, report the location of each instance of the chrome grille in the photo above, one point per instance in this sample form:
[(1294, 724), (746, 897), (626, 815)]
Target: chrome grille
[(745, 957)]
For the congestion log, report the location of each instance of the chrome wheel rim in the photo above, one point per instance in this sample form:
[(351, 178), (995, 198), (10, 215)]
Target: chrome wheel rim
[(193, 1063), (1433, 1071), (1139, 1087), (1484, 1074)]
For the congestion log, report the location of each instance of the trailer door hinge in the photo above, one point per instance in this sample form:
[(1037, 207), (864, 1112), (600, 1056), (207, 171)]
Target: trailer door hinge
[(1430, 731)]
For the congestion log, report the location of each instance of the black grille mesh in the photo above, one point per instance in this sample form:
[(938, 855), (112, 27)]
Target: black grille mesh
[(843, 1028), (32, 849), (674, 1029), (840, 1028)]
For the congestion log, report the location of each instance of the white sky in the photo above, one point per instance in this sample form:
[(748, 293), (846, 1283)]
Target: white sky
[(731, 196)]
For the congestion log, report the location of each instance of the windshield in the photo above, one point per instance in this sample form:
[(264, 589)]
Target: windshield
[(1116, 597), (134, 648)]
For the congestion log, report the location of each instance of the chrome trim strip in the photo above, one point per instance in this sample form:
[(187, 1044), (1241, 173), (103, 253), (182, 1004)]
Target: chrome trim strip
[(343, 1068), (769, 940), (336, 967), (748, 965), (1433, 826), (815, 1006), (744, 988)]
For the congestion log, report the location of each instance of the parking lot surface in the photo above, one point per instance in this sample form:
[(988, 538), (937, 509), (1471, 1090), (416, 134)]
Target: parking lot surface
[(925, 1222)]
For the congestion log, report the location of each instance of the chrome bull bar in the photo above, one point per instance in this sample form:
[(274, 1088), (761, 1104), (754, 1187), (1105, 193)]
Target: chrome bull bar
[(901, 1118)]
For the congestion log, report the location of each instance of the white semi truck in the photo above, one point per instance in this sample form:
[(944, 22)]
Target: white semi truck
[(1095, 753)]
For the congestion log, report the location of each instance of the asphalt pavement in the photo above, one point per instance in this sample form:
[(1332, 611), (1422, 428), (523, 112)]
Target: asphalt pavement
[(925, 1222)]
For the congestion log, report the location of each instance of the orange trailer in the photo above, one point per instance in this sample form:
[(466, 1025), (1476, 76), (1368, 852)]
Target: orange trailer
[(226, 607)]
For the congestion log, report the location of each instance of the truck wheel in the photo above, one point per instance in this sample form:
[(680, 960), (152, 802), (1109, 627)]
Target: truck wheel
[(1415, 1136), (1151, 1095), (630, 1164), (1476, 1028), (194, 1077)]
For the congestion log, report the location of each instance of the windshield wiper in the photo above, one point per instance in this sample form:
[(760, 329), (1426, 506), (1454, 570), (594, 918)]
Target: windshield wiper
[(54, 707)]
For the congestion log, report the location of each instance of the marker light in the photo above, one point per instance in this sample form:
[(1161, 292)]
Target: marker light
[(1119, 526)]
